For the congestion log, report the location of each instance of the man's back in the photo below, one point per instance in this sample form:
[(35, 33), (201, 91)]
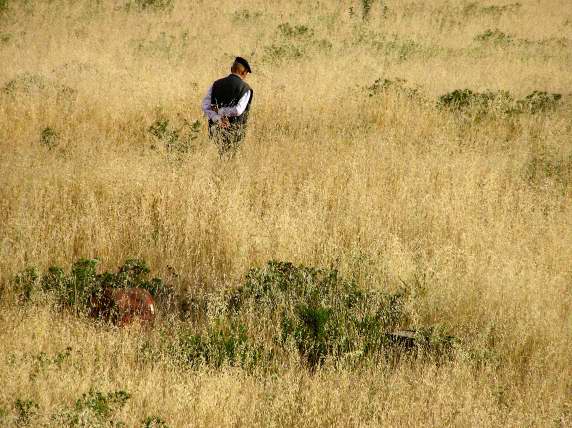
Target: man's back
[(228, 92), (226, 105)]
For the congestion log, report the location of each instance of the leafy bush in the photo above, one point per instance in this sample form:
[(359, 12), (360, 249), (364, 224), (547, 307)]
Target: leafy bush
[(154, 422), (25, 411), (366, 6), (102, 405), (49, 137), (278, 52), (539, 101), (479, 104), (288, 30), (75, 289), (26, 282), (152, 5), (397, 47), (93, 408), (42, 361), (245, 15), (495, 37), (477, 9), (26, 83), (178, 140), (544, 165), (317, 310), (399, 86), (287, 311), (218, 346), (35, 84), (280, 311)]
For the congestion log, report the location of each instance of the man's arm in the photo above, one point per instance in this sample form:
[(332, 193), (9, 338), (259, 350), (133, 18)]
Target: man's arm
[(238, 109), (207, 107)]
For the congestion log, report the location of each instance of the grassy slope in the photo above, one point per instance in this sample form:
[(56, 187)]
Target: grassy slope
[(386, 187)]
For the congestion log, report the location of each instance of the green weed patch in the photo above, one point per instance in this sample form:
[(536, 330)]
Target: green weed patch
[(479, 104), (73, 289), (281, 312)]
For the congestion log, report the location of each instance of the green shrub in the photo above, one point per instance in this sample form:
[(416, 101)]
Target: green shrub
[(25, 83), (281, 312), (42, 361), (495, 37), (93, 408), (313, 333), (383, 86), (539, 101), (154, 422), (279, 52), (49, 137), (281, 308), (102, 405), (35, 84), (154, 5), (479, 104), (75, 289), (396, 47), (477, 9), (218, 346), (26, 410), (497, 10), (288, 30), (323, 314), (366, 6), (175, 139), (545, 165), (245, 16), (26, 282)]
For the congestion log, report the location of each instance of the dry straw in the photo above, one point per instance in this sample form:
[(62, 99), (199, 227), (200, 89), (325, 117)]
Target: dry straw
[(388, 188)]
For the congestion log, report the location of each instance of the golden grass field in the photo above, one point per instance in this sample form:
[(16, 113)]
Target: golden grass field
[(389, 188)]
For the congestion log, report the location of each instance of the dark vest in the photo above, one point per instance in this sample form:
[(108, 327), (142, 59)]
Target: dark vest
[(226, 92)]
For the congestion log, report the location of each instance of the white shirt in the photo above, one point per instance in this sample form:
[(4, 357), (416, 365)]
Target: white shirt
[(237, 110)]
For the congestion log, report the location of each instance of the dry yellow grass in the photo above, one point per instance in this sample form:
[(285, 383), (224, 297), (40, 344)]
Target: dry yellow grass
[(387, 188)]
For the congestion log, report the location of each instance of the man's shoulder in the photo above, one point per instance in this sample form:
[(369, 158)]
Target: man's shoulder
[(221, 80), (232, 81)]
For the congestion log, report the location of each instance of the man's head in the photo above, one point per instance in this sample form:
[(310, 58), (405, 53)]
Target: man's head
[(240, 67)]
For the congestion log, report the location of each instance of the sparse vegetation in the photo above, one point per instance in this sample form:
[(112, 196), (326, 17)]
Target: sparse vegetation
[(49, 137), (74, 290), (495, 37), (481, 104), (154, 422), (93, 408), (366, 6), (175, 140), (25, 411), (407, 170), (153, 5)]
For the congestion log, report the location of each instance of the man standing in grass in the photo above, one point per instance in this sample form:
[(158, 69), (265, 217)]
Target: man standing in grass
[(226, 106)]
